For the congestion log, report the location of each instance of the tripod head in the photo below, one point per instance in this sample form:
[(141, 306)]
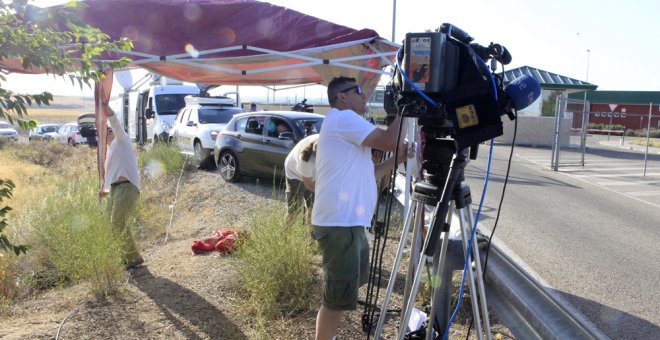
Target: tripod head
[(443, 173)]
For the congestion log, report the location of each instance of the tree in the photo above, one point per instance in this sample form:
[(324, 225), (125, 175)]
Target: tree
[(51, 41)]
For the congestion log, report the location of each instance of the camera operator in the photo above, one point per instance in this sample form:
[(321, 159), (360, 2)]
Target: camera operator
[(346, 197)]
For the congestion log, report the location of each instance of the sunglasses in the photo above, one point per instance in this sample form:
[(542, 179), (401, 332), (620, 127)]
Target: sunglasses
[(357, 88)]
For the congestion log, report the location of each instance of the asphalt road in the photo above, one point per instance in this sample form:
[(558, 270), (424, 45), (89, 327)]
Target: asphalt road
[(591, 234)]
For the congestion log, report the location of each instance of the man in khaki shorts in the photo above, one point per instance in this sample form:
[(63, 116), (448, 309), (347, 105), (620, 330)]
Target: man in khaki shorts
[(346, 196)]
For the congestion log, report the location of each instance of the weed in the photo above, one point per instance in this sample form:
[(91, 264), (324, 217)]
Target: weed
[(79, 242), (162, 159), (276, 267)]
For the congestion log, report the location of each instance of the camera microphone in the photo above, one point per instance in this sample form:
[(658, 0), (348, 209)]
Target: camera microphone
[(522, 92), (495, 51), (500, 53)]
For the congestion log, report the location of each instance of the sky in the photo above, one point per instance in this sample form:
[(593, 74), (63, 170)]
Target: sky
[(609, 43)]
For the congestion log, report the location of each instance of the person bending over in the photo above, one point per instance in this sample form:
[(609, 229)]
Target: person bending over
[(300, 169)]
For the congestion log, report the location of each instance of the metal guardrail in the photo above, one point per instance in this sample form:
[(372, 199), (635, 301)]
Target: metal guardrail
[(524, 306), (519, 301)]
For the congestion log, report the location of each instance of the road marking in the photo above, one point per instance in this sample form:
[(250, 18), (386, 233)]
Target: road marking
[(619, 183), (643, 193), (606, 169), (616, 175), (604, 187)]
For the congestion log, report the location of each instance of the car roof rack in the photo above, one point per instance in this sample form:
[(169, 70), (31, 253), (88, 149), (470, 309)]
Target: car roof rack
[(215, 100)]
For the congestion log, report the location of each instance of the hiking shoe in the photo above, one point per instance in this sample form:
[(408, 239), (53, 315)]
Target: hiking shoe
[(134, 264)]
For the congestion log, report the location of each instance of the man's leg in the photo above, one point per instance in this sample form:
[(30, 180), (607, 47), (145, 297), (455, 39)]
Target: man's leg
[(327, 322), (124, 198)]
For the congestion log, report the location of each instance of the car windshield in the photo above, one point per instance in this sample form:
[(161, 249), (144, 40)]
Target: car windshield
[(169, 104), (310, 126), (217, 115), (49, 128)]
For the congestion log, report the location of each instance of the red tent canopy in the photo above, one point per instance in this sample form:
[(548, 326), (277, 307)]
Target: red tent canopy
[(237, 42), (231, 42)]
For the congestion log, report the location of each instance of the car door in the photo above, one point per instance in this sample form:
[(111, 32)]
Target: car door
[(186, 132), (279, 139), (62, 133), (250, 145)]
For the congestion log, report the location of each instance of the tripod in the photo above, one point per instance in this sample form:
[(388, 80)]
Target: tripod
[(442, 161)]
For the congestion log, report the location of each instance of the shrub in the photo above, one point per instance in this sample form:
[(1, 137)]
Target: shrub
[(74, 241), (47, 154), (276, 266), (162, 159)]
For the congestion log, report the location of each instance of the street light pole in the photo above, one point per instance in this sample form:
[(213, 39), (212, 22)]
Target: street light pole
[(393, 19), (585, 114)]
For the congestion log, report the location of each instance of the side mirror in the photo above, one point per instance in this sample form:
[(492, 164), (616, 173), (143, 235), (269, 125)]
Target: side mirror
[(149, 113), (190, 123), (286, 135)]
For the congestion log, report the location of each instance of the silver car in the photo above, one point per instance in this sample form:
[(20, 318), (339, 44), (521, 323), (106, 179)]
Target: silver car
[(44, 132), (7, 131)]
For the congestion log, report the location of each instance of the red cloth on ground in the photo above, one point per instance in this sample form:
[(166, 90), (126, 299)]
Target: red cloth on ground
[(222, 241)]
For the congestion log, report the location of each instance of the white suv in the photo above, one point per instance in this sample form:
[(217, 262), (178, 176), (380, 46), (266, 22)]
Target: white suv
[(197, 124)]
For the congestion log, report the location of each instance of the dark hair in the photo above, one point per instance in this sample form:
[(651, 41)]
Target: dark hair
[(333, 88), (308, 150)]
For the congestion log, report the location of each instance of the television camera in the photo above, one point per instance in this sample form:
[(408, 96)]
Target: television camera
[(442, 79), (303, 107)]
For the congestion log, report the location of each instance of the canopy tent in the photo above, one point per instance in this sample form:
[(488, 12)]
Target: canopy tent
[(237, 42), (230, 42)]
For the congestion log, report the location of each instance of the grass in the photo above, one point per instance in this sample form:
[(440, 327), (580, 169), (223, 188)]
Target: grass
[(62, 220), (277, 268), (653, 142), (70, 240)]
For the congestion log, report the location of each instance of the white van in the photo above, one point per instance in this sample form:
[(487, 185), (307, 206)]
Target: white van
[(160, 104)]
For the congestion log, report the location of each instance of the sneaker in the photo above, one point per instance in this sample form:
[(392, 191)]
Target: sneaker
[(134, 264)]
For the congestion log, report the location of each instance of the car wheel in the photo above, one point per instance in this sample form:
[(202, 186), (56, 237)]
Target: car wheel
[(70, 142), (228, 167), (201, 156), (156, 140)]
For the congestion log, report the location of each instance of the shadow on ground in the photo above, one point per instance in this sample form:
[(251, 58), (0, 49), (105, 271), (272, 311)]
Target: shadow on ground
[(191, 314)]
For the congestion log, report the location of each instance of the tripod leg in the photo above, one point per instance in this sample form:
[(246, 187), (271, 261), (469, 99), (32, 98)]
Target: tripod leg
[(395, 270), (465, 236), (415, 251), (480, 281), (441, 299)]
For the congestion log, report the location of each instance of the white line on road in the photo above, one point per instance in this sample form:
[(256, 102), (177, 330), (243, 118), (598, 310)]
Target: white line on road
[(617, 175), (606, 169), (619, 183), (643, 193), (602, 186)]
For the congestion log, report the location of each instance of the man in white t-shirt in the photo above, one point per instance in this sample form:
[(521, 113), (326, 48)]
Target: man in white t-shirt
[(346, 197), (300, 170)]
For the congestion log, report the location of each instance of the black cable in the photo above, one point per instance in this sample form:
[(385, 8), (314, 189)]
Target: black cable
[(378, 250), (499, 208), (506, 181)]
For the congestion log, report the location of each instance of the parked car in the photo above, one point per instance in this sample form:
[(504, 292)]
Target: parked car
[(87, 129), (44, 132), (196, 126), (69, 134), (7, 131), (257, 143)]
